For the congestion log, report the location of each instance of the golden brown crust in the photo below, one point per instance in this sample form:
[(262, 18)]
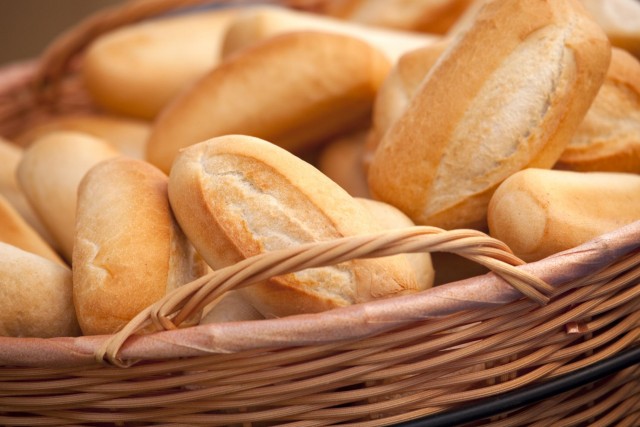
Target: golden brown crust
[(35, 296), (296, 90), (129, 252), (539, 212), (608, 139), (341, 160), (49, 174), (237, 196), (481, 115)]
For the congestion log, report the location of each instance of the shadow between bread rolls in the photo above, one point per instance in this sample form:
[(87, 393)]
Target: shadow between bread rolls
[(236, 196)]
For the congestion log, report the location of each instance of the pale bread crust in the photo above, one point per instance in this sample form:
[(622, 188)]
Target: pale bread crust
[(469, 127), (129, 251), (608, 139), (49, 174), (391, 217), (296, 90), (35, 296), (14, 230), (128, 135), (539, 212), (237, 196)]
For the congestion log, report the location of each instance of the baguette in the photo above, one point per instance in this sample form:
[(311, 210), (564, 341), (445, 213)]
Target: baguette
[(296, 90), (49, 174), (608, 139), (260, 23), (237, 196), (129, 251), (482, 114), (129, 136), (539, 212), (35, 295), (341, 160), (137, 69)]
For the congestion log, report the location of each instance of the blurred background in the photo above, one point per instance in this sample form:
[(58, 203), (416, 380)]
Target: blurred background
[(27, 26)]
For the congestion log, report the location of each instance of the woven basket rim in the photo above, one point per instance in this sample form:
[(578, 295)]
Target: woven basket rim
[(338, 325)]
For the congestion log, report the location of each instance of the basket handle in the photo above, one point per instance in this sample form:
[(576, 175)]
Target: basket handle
[(177, 306), (59, 56)]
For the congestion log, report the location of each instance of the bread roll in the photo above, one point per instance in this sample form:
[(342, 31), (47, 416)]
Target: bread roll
[(135, 70), (10, 156), (608, 139), (237, 196), (431, 16), (482, 114), (35, 295), (49, 174), (341, 160), (231, 307), (260, 23), (128, 135), (391, 217), (619, 19), (296, 90), (539, 212), (129, 251), (15, 231)]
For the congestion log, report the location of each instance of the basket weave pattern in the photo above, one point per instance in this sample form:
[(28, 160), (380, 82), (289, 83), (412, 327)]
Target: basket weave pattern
[(375, 364)]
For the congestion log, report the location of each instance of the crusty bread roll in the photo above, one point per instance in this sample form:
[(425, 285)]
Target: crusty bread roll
[(391, 217), (341, 160), (506, 95), (35, 295), (10, 156), (539, 212), (14, 230), (296, 90), (129, 251), (397, 90), (608, 139), (237, 196), (135, 70), (126, 134), (49, 174), (259, 23), (619, 19), (431, 16)]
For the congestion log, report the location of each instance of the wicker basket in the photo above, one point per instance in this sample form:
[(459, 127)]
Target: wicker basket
[(386, 362)]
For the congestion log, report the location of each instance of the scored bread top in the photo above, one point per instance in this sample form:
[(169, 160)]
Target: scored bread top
[(237, 196), (505, 95)]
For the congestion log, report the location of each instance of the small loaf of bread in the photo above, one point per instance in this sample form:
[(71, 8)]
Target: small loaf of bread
[(35, 296), (507, 94), (237, 196), (608, 139), (49, 174), (296, 90), (619, 19), (137, 69), (260, 23), (10, 157), (129, 136), (129, 251), (15, 231), (539, 212)]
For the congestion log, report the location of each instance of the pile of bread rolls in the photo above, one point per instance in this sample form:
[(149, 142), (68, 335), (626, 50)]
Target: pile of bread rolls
[(233, 131)]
